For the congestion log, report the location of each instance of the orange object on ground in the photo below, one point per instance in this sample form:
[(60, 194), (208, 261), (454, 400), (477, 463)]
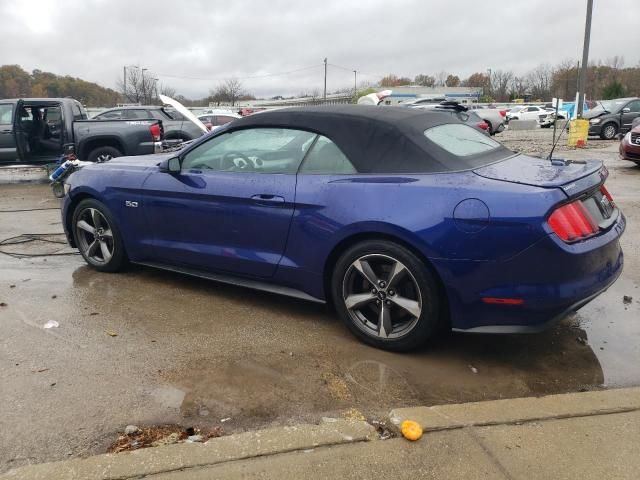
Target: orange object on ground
[(411, 430)]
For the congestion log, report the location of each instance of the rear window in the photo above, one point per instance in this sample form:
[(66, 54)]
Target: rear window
[(461, 140)]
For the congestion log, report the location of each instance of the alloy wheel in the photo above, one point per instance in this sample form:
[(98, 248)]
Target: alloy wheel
[(609, 132), (382, 296), (94, 236)]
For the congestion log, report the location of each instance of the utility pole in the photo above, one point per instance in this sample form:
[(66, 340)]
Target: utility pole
[(355, 82), (125, 83), (585, 58), (325, 79)]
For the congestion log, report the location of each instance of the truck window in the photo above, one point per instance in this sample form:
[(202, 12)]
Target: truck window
[(6, 114), (78, 112)]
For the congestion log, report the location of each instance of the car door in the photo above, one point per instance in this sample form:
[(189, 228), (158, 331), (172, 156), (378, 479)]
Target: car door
[(629, 115), (230, 206), (8, 149)]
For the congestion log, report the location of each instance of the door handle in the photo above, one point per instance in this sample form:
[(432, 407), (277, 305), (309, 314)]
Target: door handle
[(5, 131), (267, 199)]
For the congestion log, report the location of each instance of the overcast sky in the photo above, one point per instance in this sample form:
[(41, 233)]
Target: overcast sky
[(209, 40)]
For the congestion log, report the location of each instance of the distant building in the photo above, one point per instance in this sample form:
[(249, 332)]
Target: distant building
[(411, 92)]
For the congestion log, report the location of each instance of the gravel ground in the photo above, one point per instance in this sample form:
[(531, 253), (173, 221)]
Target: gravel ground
[(538, 142)]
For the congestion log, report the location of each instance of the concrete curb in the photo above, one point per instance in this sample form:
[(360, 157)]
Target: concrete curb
[(12, 174), (182, 456), (519, 410)]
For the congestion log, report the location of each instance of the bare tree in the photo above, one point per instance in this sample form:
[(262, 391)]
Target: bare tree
[(138, 86), (424, 80), (168, 91), (539, 81), (441, 78), (500, 81)]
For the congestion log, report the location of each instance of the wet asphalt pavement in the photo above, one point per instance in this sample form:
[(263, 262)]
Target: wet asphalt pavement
[(148, 347)]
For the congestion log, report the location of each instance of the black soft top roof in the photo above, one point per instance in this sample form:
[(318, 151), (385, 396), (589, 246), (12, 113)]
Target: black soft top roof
[(376, 139)]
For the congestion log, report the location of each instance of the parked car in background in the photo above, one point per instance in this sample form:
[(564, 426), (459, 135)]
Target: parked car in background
[(38, 129), (427, 100), (495, 118), (532, 112), (451, 229), (216, 119), (176, 126), (630, 144), (460, 112), (611, 117)]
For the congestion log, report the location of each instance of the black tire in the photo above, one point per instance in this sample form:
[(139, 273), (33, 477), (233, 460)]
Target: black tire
[(84, 211), (103, 154), (608, 131), (410, 331)]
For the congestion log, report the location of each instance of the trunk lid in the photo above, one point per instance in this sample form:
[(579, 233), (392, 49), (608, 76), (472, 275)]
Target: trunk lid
[(572, 178)]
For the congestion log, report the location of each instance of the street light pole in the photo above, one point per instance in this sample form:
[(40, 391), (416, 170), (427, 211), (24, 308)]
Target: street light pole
[(325, 79), (585, 59)]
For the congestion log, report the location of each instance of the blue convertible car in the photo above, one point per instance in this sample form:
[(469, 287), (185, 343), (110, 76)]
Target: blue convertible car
[(404, 220)]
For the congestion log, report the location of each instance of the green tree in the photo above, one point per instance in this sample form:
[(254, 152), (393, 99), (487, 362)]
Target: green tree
[(613, 90)]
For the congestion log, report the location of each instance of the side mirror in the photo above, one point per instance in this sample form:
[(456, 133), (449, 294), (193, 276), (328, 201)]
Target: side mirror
[(170, 165), (626, 110)]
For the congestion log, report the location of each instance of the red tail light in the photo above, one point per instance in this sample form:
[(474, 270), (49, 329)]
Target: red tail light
[(155, 132), (503, 113), (482, 125), (573, 222), (606, 193)]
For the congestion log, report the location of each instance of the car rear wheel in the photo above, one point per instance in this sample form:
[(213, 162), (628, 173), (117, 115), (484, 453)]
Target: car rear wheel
[(386, 295), (97, 236), (608, 131), (103, 154)]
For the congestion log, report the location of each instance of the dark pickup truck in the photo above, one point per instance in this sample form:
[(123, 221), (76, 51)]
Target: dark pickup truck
[(36, 130)]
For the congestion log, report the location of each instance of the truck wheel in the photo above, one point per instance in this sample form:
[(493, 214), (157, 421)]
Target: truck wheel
[(103, 154), (608, 131), (98, 237)]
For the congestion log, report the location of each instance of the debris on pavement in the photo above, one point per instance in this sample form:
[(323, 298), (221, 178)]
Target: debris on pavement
[(411, 430), (12, 286), (158, 435), (354, 414), (473, 369), (581, 340), (3, 304), (110, 333), (51, 324), (383, 432), (626, 299), (131, 430), (225, 419)]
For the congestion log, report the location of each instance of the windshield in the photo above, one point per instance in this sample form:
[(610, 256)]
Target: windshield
[(610, 106), (461, 140)]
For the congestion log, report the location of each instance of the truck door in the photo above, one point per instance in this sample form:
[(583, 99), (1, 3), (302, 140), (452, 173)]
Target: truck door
[(8, 151)]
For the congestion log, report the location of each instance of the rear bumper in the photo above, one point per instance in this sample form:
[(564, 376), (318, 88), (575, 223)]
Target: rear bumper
[(551, 277)]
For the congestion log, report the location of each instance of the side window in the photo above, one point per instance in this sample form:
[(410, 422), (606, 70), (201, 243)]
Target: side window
[(78, 114), (254, 150), (6, 114), (326, 158), (113, 115), (135, 114), (222, 120), (634, 106)]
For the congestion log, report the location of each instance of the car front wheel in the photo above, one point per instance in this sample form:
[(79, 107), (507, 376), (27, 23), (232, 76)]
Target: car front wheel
[(386, 295), (609, 131), (97, 236)]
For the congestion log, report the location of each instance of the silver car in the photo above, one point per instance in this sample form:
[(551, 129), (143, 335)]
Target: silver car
[(491, 116)]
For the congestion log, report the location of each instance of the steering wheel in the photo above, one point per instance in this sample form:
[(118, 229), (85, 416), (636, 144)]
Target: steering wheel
[(238, 160)]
